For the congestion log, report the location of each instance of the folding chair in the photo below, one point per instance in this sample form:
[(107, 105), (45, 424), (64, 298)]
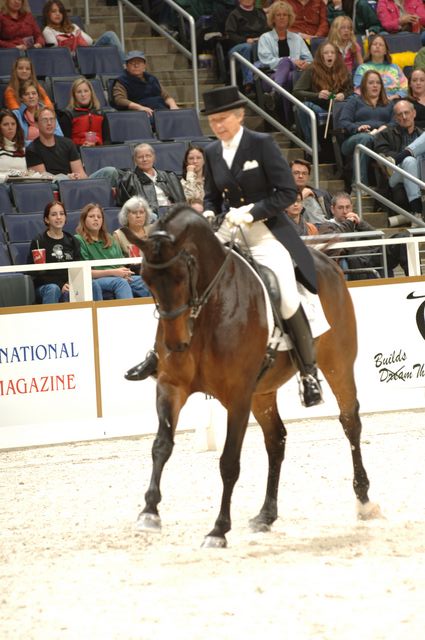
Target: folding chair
[(117, 155), (53, 61), (129, 125), (32, 197), (75, 194), (176, 124), (94, 61)]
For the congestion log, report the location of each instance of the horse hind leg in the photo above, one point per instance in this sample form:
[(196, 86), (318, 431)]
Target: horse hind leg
[(264, 408), (340, 376)]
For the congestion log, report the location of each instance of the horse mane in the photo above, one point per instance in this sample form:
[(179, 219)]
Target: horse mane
[(174, 211)]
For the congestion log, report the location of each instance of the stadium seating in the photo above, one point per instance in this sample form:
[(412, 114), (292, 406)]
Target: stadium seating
[(75, 194), (129, 125), (32, 197), (118, 155)]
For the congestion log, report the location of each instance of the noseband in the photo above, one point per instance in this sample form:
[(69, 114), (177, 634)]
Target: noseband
[(195, 302)]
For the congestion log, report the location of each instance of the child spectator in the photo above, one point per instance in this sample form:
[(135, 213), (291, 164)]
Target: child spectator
[(22, 70), (342, 36), (83, 115), (12, 147), (60, 246), (18, 27), (61, 32), (97, 244), (30, 104)]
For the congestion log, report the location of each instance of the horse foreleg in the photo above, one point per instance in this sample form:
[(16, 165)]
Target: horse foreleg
[(170, 400), (264, 408), (237, 422)]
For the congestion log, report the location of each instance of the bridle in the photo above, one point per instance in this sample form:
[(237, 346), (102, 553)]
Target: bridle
[(196, 302)]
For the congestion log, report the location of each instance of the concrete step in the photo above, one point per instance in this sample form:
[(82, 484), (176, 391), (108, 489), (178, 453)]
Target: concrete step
[(377, 219)]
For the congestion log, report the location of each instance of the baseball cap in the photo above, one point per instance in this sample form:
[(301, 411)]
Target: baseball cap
[(135, 54)]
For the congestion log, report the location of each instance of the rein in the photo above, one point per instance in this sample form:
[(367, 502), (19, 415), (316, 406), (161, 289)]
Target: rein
[(195, 302)]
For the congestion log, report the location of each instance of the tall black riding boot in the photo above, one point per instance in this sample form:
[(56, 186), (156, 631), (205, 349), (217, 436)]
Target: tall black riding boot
[(144, 369), (300, 333)]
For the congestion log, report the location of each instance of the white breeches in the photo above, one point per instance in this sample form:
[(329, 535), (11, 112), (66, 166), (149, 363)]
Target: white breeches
[(270, 252)]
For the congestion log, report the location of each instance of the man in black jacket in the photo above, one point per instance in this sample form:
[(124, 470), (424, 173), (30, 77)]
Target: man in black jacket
[(158, 188), (404, 145), (316, 202)]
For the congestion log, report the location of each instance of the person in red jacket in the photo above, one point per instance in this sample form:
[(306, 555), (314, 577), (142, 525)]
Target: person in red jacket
[(83, 121), (18, 27), (311, 18)]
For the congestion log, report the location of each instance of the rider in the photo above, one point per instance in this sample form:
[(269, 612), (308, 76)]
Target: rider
[(247, 177)]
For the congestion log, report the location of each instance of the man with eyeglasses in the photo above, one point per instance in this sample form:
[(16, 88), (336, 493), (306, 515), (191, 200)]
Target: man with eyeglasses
[(403, 144), (58, 155), (316, 202)]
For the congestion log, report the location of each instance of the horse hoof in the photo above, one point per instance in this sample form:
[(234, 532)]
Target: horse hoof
[(214, 542), (148, 522), (259, 526), (368, 511)]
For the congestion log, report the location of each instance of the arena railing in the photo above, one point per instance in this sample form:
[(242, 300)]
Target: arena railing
[(191, 53), (80, 279), (313, 150), (360, 186)]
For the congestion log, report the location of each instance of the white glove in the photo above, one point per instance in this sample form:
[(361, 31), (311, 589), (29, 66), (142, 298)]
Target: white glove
[(240, 216), (208, 214)]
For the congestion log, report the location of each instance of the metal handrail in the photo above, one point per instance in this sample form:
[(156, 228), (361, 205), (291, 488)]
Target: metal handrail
[(191, 54), (314, 149), (360, 148)]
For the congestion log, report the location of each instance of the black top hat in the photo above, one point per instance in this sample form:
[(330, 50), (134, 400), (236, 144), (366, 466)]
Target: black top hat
[(222, 99)]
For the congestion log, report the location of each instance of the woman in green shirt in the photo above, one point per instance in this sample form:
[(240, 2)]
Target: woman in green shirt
[(97, 244)]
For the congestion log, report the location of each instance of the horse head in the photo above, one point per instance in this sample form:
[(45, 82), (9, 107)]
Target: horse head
[(174, 272)]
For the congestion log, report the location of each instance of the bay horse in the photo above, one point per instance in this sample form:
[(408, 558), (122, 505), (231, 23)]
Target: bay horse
[(212, 337)]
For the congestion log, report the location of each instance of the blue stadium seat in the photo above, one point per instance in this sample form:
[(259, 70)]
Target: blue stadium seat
[(75, 194), (5, 259), (16, 289), (32, 197), (72, 220), (169, 156), (36, 7), (174, 124), (129, 125), (23, 227), (61, 89), (19, 252), (5, 202), (111, 218), (7, 58), (116, 155), (94, 61), (53, 61)]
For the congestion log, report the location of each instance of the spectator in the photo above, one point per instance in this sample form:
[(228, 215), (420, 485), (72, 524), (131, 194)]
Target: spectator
[(363, 116), (158, 188), (316, 202), (342, 36), (403, 144), (59, 155), (30, 104), (135, 215), (18, 27), (326, 77), (379, 59), (244, 26), (12, 145), (97, 244), (83, 115), (23, 70), (419, 61), (365, 18), (60, 246), (295, 212), (139, 90), (59, 31), (310, 18), (417, 95), (283, 51), (345, 220), (401, 15), (193, 173)]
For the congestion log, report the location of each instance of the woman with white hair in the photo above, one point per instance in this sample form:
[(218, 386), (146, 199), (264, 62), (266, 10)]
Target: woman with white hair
[(135, 215)]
